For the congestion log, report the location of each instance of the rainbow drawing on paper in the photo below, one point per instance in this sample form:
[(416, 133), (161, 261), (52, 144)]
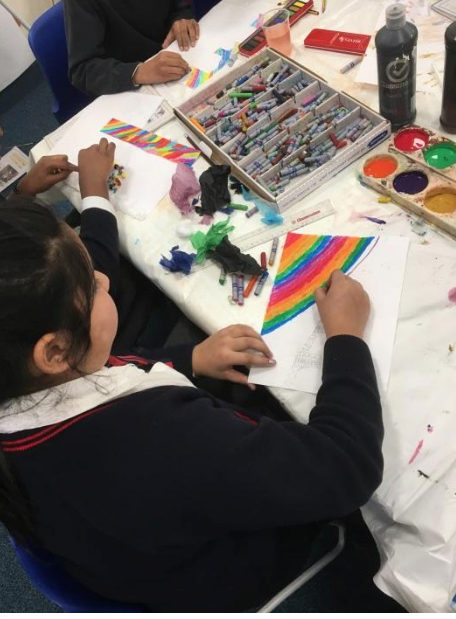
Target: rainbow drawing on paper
[(306, 264), (150, 142), (198, 77)]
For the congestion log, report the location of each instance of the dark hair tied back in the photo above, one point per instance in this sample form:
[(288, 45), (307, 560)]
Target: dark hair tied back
[(46, 286)]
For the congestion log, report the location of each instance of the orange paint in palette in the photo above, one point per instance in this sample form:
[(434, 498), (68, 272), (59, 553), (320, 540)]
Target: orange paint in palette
[(380, 166)]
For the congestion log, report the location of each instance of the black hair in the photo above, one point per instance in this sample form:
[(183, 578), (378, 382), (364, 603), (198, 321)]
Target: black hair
[(46, 286)]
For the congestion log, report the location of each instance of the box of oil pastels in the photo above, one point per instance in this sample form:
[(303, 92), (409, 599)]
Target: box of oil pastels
[(418, 172), (283, 130)]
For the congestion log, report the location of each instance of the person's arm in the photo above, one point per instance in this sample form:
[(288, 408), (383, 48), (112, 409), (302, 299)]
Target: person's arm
[(266, 474), (89, 68), (101, 239), (48, 171), (182, 27), (262, 474), (218, 355), (179, 10), (98, 220)]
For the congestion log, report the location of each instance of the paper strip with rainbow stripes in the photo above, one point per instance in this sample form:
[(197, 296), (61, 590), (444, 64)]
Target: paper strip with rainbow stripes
[(306, 264), (151, 143)]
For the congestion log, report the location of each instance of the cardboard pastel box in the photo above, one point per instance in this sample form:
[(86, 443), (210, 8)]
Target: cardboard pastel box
[(301, 186)]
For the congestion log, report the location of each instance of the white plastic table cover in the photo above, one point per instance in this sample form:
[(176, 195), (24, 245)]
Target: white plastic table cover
[(412, 515)]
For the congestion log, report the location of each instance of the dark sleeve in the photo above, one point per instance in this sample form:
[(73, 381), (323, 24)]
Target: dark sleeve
[(88, 67), (231, 473), (268, 474), (180, 10), (101, 239), (180, 357)]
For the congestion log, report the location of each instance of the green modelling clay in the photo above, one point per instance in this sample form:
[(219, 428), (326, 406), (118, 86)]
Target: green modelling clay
[(441, 155), (238, 207), (207, 242)]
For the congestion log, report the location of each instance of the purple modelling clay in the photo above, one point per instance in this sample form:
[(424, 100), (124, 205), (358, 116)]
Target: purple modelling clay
[(184, 186)]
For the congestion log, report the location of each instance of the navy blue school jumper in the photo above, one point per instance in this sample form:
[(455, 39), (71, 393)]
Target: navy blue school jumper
[(107, 39), (171, 498)]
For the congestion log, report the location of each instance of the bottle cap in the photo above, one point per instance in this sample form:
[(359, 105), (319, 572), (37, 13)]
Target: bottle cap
[(395, 17)]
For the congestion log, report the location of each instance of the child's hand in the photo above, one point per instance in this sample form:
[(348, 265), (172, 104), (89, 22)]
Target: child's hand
[(185, 31), (216, 356), (45, 174), (95, 166), (164, 67), (343, 305)]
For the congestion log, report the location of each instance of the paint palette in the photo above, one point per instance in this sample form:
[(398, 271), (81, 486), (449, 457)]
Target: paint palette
[(256, 41), (426, 148), (413, 186)]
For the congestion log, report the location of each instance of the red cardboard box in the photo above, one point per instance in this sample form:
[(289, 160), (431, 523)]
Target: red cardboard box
[(336, 41)]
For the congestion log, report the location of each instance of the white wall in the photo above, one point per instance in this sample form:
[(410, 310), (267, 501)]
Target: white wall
[(14, 50), (28, 10)]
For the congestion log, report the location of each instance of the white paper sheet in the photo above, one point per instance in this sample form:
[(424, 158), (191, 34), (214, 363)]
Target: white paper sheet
[(202, 56), (15, 53), (228, 23), (298, 345), (148, 180), (148, 177)]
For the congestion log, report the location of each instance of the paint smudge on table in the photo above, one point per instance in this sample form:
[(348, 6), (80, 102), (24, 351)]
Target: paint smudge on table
[(452, 295), (416, 452), (418, 227)]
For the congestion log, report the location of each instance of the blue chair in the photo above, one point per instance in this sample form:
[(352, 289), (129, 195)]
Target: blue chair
[(310, 572), (62, 589), (48, 42), (201, 7)]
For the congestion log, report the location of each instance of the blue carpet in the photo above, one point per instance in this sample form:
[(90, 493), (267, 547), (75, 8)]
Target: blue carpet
[(344, 586), (25, 111), (17, 595)]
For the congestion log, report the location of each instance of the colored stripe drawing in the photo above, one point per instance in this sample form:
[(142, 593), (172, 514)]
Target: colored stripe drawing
[(257, 21), (198, 77), (306, 264), (150, 142)]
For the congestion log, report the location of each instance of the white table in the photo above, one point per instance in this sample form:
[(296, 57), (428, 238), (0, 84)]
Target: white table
[(413, 514)]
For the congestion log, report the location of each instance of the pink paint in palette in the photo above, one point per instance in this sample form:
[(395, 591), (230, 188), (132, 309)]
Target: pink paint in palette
[(150, 142)]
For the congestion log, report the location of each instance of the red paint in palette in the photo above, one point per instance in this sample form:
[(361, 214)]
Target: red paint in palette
[(411, 139)]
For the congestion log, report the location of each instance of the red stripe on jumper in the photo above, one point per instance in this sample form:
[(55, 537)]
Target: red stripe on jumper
[(23, 444), (247, 419)]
